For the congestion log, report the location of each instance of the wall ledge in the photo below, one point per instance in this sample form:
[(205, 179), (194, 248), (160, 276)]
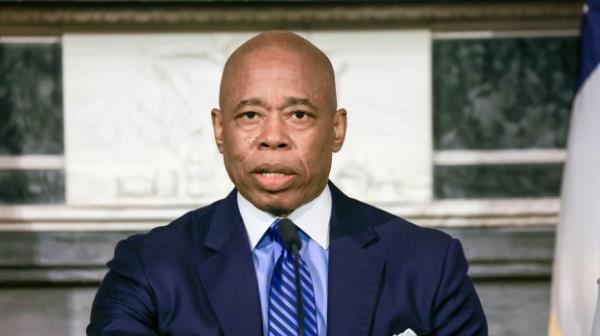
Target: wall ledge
[(79, 258)]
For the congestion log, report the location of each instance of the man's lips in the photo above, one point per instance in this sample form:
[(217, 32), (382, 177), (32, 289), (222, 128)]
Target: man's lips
[(273, 177), (273, 168)]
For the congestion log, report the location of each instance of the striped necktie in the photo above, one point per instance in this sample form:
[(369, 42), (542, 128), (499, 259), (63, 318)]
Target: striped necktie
[(283, 317)]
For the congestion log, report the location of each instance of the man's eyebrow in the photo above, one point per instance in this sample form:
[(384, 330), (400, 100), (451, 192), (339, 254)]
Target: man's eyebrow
[(250, 102), (299, 101), (289, 101)]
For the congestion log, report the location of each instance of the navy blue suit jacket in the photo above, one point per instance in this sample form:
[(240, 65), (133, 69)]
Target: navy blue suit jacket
[(195, 276)]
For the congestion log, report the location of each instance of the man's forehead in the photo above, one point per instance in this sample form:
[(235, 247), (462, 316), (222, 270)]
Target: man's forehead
[(271, 48), (277, 52), (277, 59), (278, 40)]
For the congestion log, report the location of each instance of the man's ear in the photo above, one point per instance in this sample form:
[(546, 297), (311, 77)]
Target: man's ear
[(217, 122), (339, 129)]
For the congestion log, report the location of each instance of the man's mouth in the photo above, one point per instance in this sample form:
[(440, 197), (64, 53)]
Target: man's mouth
[(271, 174), (273, 179)]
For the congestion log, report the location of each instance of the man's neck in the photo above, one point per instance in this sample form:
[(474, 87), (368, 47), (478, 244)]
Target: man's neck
[(312, 217)]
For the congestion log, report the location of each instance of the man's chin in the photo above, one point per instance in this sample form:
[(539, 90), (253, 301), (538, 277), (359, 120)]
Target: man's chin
[(277, 207)]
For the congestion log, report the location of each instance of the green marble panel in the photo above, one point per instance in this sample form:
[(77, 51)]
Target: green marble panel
[(497, 181), (503, 92), (32, 186), (31, 117)]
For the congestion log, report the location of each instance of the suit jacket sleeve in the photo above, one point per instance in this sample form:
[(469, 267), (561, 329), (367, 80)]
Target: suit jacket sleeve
[(457, 310), (124, 301)]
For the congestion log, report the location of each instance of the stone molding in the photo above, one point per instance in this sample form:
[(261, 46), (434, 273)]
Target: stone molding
[(515, 213), (70, 257), (297, 16)]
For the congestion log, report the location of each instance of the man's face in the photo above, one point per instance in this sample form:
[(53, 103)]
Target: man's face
[(277, 129)]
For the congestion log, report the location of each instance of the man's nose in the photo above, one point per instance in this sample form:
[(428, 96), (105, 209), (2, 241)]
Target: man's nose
[(274, 133)]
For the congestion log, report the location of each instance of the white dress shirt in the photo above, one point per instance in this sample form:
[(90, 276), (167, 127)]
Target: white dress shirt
[(312, 219)]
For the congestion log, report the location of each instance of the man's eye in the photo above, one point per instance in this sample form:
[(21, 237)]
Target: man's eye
[(299, 114), (250, 115)]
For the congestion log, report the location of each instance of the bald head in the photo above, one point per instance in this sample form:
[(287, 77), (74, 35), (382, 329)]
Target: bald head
[(279, 49)]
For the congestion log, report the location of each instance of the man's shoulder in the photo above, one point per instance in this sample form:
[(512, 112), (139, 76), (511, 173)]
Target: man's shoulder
[(402, 243), (393, 228), (189, 229)]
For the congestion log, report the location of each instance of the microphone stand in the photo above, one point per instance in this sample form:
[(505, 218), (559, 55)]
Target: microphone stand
[(299, 310), (288, 233)]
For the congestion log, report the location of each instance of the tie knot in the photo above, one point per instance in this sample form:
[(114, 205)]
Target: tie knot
[(274, 233)]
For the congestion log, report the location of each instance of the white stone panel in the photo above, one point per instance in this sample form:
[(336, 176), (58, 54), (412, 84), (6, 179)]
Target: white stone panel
[(137, 116), (384, 81)]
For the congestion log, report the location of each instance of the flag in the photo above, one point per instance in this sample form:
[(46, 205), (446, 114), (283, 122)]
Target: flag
[(577, 253)]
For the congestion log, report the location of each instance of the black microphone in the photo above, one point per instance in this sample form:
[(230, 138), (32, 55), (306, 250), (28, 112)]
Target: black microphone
[(289, 236), (288, 232)]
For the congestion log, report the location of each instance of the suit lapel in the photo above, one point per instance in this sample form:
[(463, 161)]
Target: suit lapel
[(228, 276), (354, 274)]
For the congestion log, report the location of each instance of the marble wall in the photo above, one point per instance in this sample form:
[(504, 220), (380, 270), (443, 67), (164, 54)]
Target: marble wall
[(138, 136), (31, 113), (501, 93), (497, 181), (32, 187), (31, 119)]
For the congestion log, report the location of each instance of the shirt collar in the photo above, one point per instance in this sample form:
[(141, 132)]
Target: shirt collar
[(312, 218)]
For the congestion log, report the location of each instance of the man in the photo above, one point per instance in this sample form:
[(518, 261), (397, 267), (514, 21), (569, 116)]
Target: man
[(226, 269)]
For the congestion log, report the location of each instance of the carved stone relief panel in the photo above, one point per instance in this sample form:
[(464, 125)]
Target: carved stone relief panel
[(138, 128)]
